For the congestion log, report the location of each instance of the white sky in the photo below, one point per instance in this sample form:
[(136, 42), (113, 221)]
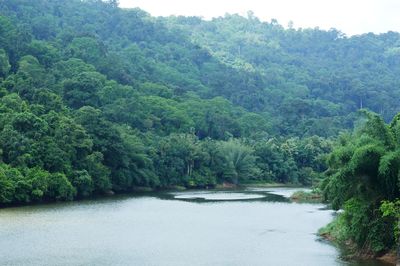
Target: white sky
[(349, 16)]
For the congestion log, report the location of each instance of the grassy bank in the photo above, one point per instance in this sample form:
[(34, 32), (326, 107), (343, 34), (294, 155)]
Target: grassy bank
[(313, 196), (337, 233)]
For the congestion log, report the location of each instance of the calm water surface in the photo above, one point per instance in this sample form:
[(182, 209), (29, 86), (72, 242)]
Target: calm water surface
[(249, 227)]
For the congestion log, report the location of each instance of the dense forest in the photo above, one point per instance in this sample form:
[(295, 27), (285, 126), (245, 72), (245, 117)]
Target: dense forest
[(363, 180), (97, 99)]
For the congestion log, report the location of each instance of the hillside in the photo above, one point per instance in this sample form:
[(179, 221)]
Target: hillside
[(309, 77)]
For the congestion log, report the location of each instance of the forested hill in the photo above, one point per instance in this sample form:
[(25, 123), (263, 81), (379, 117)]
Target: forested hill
[(97, 98), (309, 78)]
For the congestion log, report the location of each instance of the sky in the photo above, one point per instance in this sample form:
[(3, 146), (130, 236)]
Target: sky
[(352, 17)]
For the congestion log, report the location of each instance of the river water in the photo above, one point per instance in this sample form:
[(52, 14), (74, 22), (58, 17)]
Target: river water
[(247, 227)]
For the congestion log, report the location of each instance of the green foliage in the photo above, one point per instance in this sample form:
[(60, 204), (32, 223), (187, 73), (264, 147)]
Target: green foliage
[(392, 209), (7, 187), (4, 64), (85, 48), (363, 171), (292, 161), (83, 183), (389, 208), (60, 188), (366, 227), (96, 98), (336, 230), (361, 226), (237, 161), (81, 89), (99, 172), (39, 180), (179, 161)]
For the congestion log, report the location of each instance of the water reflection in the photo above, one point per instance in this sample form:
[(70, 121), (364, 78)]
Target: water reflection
[(279, 194), (222, 196), (217, 196)]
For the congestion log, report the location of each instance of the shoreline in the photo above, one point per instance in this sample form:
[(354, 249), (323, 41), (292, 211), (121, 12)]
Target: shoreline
[(136, 191), (360, 255)]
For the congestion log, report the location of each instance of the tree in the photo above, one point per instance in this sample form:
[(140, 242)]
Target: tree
[(60, 188), (363, 171), (393, 209), (238, 161), (83, 183), (82, 90), (7, 188), (4, 64), (86, 48)]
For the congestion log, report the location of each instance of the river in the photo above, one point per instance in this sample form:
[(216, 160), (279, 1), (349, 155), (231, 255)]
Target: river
[(245, 227)]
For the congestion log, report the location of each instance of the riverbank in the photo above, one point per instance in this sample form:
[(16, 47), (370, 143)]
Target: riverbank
[(335, 234), (145, 190), (312, 196), (269, 185)]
